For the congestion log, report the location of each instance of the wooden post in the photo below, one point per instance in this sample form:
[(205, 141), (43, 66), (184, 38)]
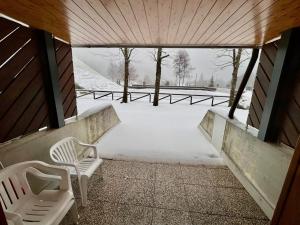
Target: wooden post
[(287, 210), (56, 112), (2, 216), (285, 69)]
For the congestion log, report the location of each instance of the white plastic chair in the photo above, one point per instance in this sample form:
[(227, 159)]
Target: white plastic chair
[(64, 153), (22, 207)]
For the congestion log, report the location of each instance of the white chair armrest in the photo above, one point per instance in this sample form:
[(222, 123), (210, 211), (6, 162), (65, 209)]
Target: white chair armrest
[(43, 176), (13, 218), (94, 147), (65, 183)]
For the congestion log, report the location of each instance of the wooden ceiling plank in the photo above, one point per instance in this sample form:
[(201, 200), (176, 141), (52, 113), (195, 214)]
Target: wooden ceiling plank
[(202, 12), (112, 8), (42, 18), (101, 11), (151, 9), (216, 11), (126, 10), (102, 30), (251, 15), (75, 23), (247, 7), (267, 23), (226, 14), (140, 14), (177, 11), (187, 18), (164, 13)]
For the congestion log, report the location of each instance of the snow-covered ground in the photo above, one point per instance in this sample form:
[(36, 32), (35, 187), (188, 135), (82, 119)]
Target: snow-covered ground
[(167, 133), (89, 79)]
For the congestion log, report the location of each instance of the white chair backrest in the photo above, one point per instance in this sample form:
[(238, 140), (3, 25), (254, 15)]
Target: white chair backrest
[(64, 151), (14, 186)]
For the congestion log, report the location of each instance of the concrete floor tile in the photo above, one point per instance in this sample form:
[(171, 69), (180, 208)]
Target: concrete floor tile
[(131, 214), (205, 219), (168, 172), (170, 195), (170, 217), (240, 203), (108, 189), (140, 170), (138, 192), (223, 178), (195, 175), (205, 199), (97, 213), (114, 168)]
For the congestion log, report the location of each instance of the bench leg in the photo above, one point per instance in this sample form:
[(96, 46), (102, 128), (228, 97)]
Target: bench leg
[(83, 189)]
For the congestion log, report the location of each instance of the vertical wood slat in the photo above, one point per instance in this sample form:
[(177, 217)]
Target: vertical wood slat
[(261, 85), (21, 81), (24, 107)]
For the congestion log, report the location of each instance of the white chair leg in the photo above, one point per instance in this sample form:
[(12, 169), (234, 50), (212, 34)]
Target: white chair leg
[(74, 213), (83, 189), (100, 174)]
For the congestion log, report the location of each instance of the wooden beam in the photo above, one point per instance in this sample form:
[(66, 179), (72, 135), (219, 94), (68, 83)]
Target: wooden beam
[(51, 82), (2, 216), (287, 210), (284, 72)]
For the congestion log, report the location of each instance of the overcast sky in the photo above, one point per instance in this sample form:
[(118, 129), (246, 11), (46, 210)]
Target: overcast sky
[(203, 60)]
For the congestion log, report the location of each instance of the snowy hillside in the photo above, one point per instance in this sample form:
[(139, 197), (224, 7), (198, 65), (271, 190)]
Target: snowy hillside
[(88, 78)]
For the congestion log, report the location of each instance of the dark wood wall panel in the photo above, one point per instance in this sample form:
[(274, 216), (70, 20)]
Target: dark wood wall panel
[(66, 77), (290, 122), (261, 85), (23, 103)]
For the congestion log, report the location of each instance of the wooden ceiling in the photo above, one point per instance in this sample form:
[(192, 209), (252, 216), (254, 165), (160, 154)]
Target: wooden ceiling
[(158, 22)]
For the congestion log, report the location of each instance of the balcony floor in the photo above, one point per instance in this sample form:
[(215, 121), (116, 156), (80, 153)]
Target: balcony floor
[(159, 194)]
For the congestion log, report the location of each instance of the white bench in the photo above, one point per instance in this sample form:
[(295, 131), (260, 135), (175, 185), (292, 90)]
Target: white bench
[(22, 207), (64, 153)]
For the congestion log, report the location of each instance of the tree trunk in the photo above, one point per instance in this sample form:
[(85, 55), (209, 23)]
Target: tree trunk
[(126, 76), (158, 76), (236, 65)]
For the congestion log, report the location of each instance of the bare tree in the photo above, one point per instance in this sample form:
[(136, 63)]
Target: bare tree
[(113, 72), (158, 57), (133, 76), (182, 66), (211, 81), (127, 54), (232, 57)]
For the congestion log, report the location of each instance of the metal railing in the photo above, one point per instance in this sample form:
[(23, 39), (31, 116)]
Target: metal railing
[(173, 97)]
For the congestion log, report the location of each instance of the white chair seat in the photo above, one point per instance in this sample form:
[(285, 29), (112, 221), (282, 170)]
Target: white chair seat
[(64, 153), (45, 207), (86, 166)]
